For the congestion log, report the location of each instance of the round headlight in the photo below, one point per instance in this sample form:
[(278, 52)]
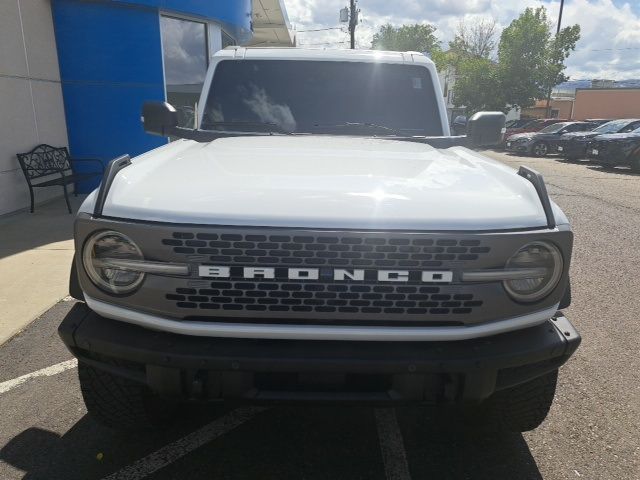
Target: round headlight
[(109, 245), (545, 262)]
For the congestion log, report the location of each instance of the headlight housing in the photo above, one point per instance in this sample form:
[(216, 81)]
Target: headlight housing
[(543, 258), (108, 245)]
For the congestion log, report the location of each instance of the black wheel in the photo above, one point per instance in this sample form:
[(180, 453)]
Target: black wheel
[(540, 149), (121, 403), (520, 408), (635, 164)]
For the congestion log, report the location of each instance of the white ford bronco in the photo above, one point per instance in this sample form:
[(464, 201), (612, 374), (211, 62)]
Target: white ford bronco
[(319, 236)]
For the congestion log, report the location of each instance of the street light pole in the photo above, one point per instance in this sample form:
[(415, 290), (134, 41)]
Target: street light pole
[(560, 17), (548, 110), (353, 21)]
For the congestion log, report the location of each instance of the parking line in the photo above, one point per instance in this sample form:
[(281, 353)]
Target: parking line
[(45, 372), (172, 452), (391, 445)]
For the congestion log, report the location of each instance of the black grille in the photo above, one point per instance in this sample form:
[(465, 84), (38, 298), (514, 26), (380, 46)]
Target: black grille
[(327, 249), (325, 297)]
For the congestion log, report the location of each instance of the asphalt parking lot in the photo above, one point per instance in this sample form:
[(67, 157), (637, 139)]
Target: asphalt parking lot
[(592, 432)]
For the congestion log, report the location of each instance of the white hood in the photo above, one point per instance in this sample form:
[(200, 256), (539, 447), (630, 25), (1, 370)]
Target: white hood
[(323, 182)]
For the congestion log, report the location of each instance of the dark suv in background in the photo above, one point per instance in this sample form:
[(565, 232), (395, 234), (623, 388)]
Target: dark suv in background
[(616, 149), (546, 140), (532, 125), (573, 146)]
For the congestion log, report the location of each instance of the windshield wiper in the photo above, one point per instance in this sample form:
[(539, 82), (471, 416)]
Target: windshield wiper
[(370, 126), (268, 126)]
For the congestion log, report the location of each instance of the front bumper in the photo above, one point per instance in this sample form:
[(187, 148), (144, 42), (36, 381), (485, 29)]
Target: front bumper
[(205, 368), (572, 149), (608, 154), (517, 147)]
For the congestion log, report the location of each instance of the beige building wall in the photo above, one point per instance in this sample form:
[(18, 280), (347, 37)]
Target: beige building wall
[(560, 108), (31, 107), (607, 103)]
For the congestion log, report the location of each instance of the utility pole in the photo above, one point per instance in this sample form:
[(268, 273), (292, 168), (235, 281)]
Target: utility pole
[(548, 111), (560, 17), (353, 21), (350, 14)]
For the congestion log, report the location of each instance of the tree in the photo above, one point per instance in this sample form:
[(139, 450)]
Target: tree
[(477, 39), (417, 38), (558, 51), (477, 85), (530, 59)]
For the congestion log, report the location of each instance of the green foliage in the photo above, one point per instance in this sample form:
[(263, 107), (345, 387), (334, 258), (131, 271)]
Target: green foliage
[(522, 57), (417, 38), (558, 51), (530, 63), (478, 85), (531, 59)]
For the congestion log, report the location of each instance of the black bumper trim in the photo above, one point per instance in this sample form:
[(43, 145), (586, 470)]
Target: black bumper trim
[(489, 363)]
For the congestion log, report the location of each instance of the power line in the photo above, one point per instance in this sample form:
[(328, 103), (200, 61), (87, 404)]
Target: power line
[(612, 49), (319, 29), (317, 44)]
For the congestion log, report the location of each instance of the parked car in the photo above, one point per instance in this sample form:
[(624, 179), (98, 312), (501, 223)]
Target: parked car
[(546, 140), (511, 125), (532, 126), (616, 149), (599, 121), (459, 125), (573, 146)]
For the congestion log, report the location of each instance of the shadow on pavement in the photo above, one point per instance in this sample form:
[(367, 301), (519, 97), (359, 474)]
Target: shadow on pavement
[(281, 443), (440, 445), (615, 170), (49, 225)]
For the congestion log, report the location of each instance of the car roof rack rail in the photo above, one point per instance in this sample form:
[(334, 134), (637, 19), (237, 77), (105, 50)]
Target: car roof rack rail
[(538, 182), (110, 172)]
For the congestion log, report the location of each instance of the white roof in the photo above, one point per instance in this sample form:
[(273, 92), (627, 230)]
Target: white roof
[(271, 24), (324, 54)]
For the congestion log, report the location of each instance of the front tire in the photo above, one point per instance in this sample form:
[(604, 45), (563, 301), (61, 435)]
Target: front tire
[(120, 403), (523, 407), (540, 149)]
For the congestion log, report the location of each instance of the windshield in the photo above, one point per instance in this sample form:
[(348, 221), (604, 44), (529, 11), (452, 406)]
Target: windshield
[(611, 127), (518, 123), (556, 127), (353, 98)]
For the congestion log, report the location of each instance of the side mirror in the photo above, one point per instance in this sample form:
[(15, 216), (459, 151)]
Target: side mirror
[(159, 118), (485, 129)]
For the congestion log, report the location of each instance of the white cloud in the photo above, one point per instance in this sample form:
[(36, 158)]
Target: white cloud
[(609, 47)]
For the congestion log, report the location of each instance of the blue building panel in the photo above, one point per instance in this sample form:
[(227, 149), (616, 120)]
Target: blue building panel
[(106, 42), (235, 14), (110, 56), (103, 121)]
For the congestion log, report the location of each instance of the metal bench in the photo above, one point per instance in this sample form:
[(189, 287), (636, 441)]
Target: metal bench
[(45, 166)]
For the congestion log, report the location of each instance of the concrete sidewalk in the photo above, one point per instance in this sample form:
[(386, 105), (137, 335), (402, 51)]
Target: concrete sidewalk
[(35, 256)]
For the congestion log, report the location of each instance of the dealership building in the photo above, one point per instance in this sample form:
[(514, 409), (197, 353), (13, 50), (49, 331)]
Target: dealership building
[(76, 72)]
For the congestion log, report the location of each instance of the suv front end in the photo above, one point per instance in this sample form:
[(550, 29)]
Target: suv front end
[(273, 314), (367, 261)]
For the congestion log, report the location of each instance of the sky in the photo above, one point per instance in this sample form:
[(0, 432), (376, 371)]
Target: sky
[(609, 47)]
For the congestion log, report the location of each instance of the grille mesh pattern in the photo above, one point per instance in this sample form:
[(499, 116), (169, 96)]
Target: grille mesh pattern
[(335, 250), (323, 297)]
